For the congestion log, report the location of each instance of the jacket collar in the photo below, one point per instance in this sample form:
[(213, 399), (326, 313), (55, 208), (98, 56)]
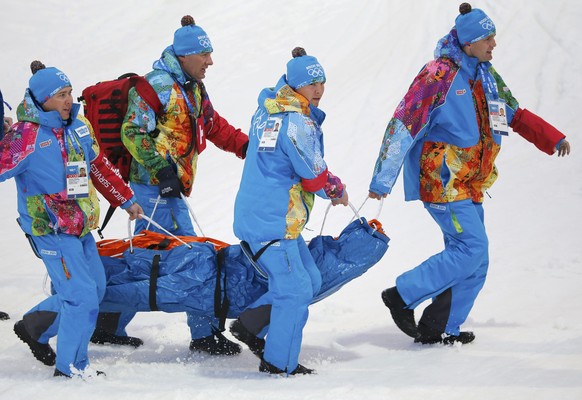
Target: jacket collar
[(169, 63), (282, 98), (450, 47)]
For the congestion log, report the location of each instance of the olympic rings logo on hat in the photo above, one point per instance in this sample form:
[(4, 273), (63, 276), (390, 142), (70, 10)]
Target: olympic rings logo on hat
[(205, 42), (487, 24), (63, 77), (315, 72)]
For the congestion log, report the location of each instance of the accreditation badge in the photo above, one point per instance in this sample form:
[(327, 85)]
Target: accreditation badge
[(77, 177), (270, 134), (498, 117)]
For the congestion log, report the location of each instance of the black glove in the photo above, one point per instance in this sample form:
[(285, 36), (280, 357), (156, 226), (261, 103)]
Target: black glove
[(169, 185)]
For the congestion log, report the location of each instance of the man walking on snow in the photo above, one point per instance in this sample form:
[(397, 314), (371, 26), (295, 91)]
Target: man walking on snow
[(446, 133)]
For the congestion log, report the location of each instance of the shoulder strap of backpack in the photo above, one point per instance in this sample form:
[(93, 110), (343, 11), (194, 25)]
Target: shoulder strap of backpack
[(147, 93)]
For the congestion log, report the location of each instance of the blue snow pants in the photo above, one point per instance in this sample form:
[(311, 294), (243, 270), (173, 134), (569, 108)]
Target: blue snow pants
[(78, 277), (293, 281), (453, 277), (172, 214)]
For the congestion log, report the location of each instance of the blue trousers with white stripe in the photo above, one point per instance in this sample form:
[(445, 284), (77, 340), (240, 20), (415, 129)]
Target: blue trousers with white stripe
[(78, 277), (293, 281), (453, 277)]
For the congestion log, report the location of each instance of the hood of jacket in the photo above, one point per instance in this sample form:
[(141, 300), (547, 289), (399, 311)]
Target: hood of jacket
[(450, 47), (29, 111), (169, 63)]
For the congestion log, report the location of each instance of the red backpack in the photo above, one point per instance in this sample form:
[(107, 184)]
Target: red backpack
[(105, 106)]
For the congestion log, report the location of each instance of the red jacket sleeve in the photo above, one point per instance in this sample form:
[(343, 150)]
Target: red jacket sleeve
[(537, 131), (315, 184), (226, 137), (108, 181), (331, 185)]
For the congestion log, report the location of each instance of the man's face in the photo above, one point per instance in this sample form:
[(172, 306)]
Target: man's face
[(62, 101), (194, 65), (482, 49), (313, 93)]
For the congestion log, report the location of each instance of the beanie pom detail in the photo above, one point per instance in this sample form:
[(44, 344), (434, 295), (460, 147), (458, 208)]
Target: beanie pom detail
[(187, 20), (298, 52), (465, 8), (36, 66)]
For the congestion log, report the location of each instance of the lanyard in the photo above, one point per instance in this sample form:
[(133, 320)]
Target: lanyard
[(192, 107), (489, 83), (68, 135)]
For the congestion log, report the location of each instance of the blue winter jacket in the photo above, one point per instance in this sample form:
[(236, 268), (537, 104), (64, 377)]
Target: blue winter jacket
[(279, 180)]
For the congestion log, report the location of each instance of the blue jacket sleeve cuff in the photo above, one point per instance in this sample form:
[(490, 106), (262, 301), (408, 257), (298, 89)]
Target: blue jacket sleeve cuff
[(128, 203)]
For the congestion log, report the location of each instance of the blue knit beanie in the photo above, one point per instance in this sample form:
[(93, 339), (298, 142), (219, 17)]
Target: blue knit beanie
[(473, 25), (46, 82), (303, 70), (191, 39)]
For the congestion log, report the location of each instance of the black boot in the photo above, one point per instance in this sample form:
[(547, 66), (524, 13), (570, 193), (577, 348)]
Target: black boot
[(103, 337), (4, 316), (301, 370), (43, 352), (269, 368), (256, 344), (403, 317), (463, 338), (430, 336), (216, 345)]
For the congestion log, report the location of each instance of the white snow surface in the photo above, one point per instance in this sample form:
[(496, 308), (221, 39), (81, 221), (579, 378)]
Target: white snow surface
[(529, 337)]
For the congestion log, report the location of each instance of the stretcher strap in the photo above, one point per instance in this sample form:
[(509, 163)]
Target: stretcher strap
[(155, 271), (253, 258), (262, 249), (221, 303)]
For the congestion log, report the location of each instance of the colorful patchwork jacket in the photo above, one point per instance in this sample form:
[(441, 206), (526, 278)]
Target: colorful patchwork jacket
[(284, 168), (441, 134), (35, 154), (179, 135)]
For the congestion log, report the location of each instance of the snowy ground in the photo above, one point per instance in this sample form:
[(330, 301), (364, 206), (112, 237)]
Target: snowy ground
[(529, 340)]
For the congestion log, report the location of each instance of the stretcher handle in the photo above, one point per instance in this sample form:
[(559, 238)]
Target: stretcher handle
[(356, 214), (153, 211), (190, 210), (379, 208), (154, 223), (192, 213)]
